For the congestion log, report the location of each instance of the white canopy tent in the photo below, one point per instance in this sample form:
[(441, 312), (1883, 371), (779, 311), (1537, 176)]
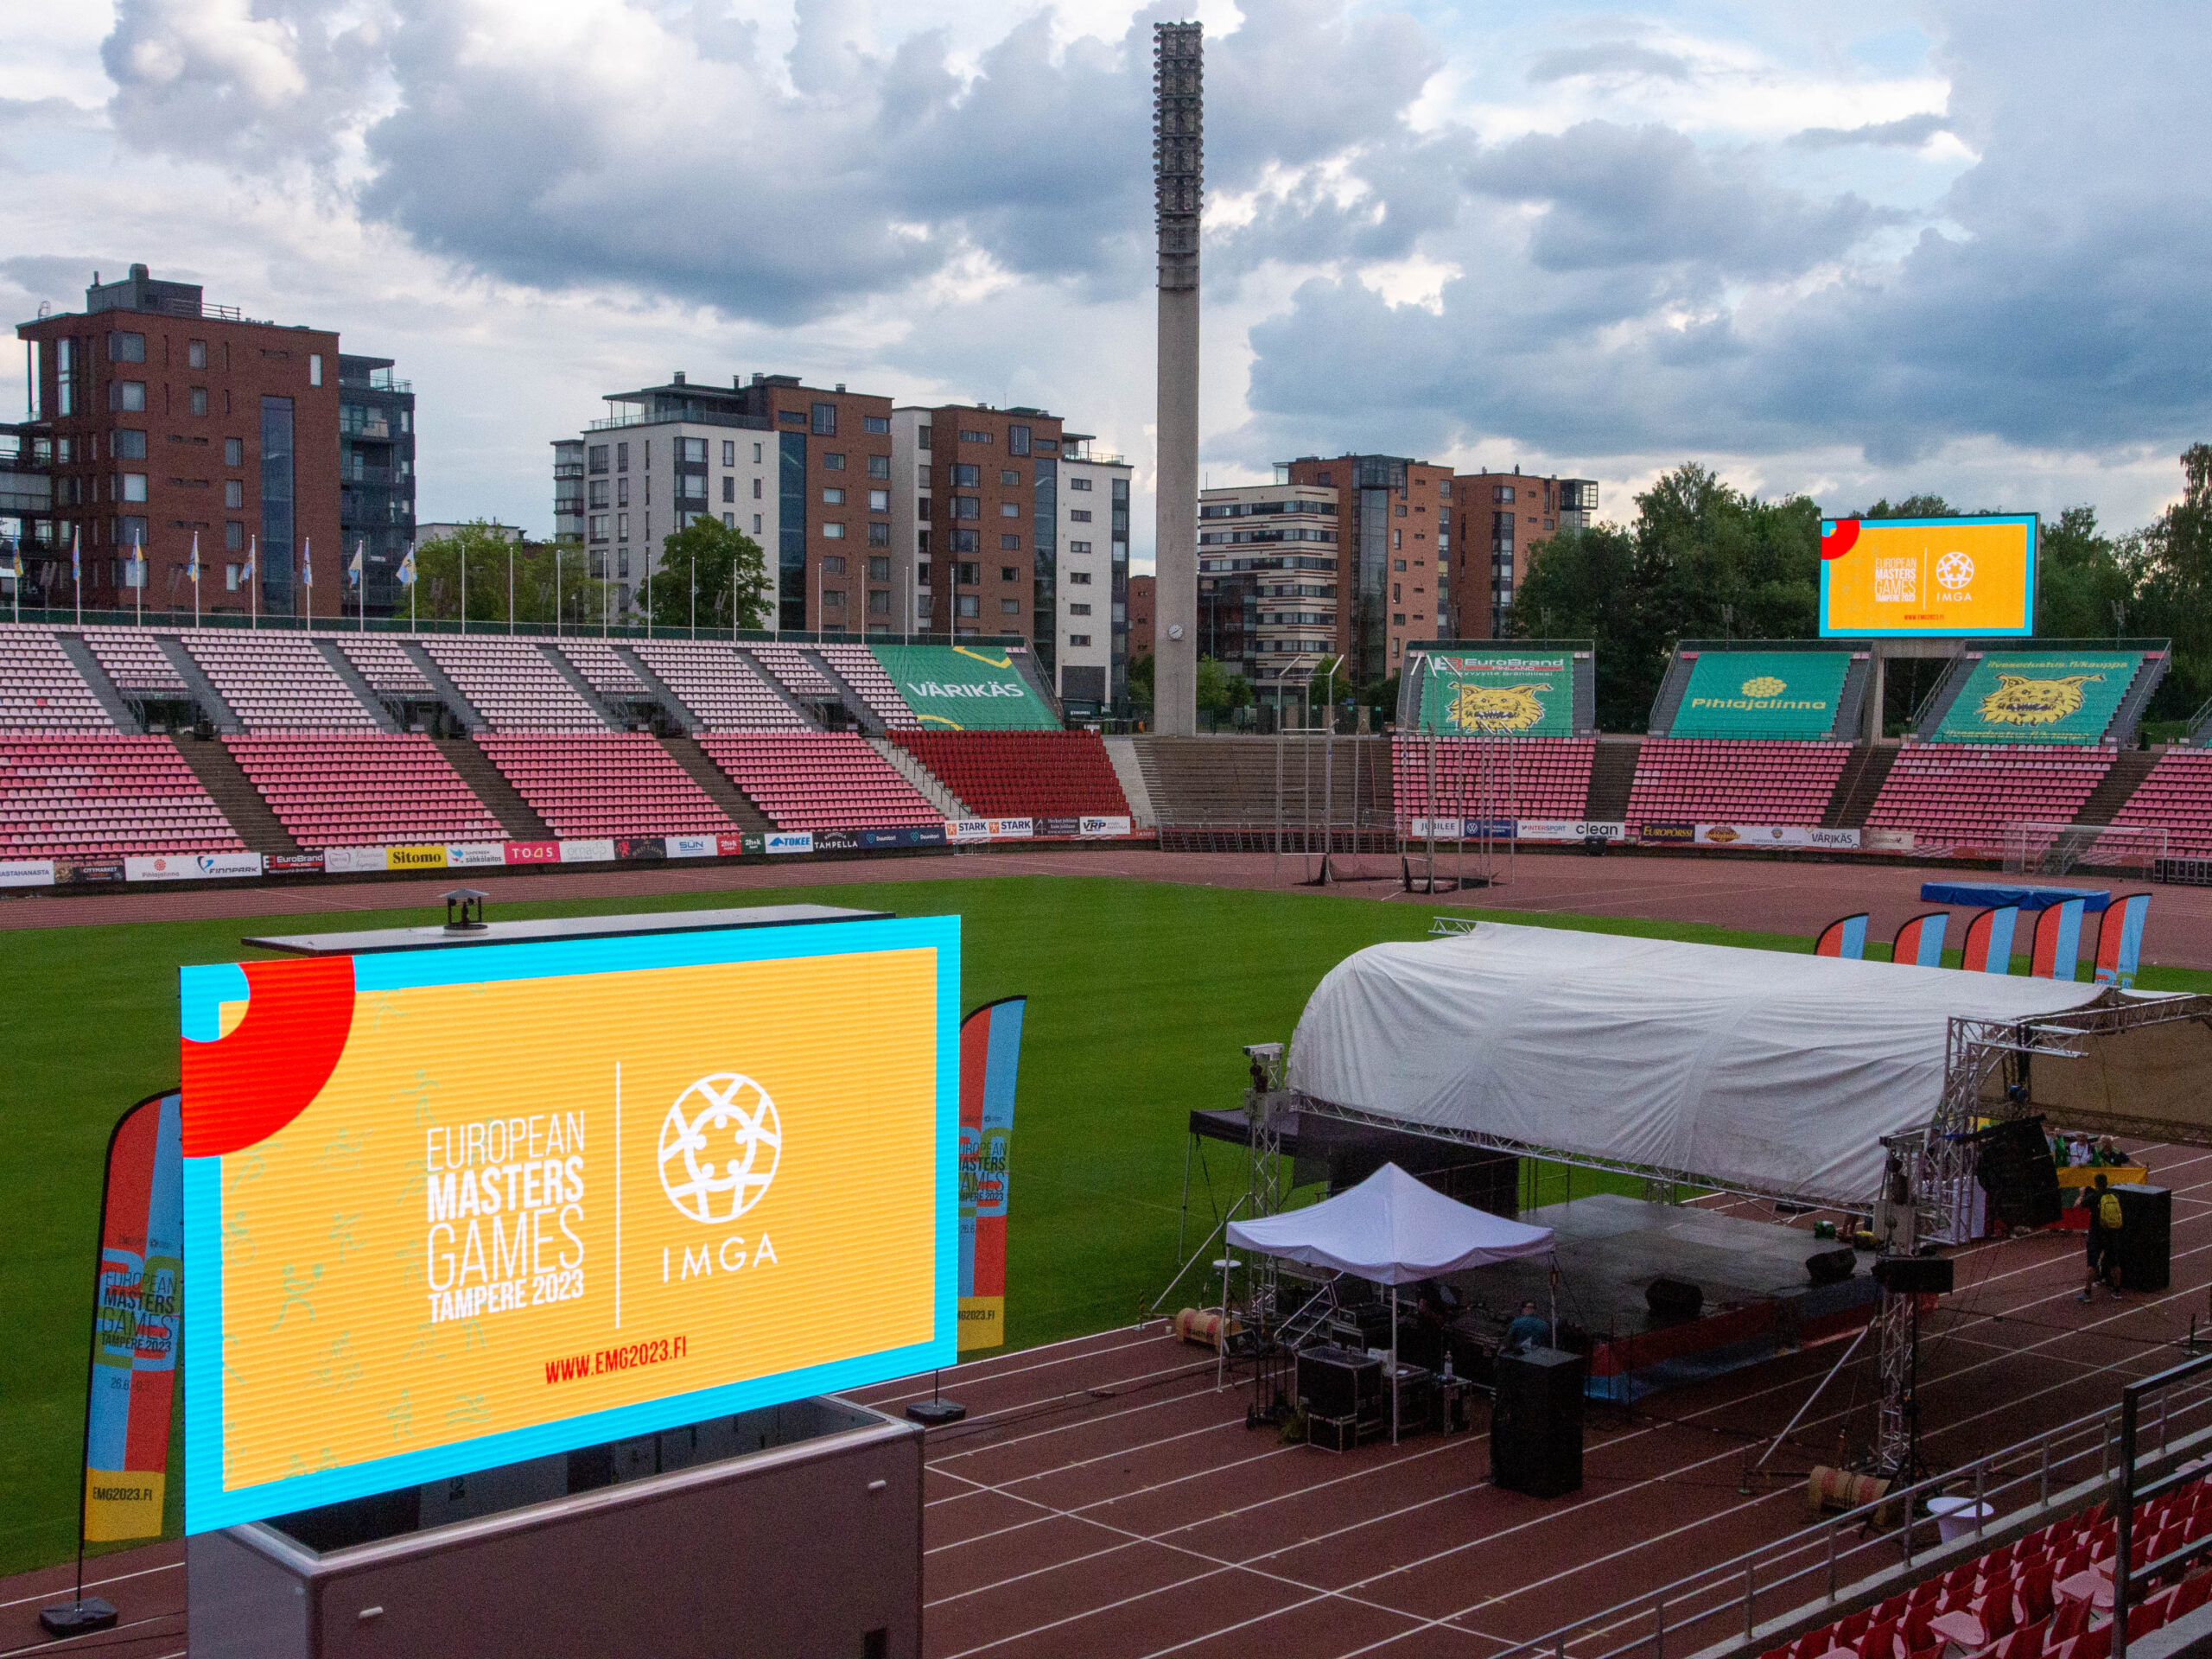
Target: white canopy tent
[(1762, 1071), (1391, 1230)]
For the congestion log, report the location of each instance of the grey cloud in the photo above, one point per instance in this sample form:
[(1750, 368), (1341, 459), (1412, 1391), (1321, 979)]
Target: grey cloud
[(1621, 58), (1909, 132)]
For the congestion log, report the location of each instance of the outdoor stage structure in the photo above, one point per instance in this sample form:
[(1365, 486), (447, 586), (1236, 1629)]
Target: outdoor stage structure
[(1790, 1079)]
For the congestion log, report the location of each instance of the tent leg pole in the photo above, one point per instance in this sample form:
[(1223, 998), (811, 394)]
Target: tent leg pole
[(1393, 1364), (1184, 1215)]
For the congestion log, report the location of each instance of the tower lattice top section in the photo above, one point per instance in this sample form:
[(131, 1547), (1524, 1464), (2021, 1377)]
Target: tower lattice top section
[(1179, 147)]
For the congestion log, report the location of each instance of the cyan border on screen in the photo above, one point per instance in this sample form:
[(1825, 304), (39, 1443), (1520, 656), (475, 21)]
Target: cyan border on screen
[(2026, 630), (208, 1506)]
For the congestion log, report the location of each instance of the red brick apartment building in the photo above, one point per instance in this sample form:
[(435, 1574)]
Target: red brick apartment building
[(985, 543), (1501, 519), (1394, 546), (1141, 592), (169, 417)]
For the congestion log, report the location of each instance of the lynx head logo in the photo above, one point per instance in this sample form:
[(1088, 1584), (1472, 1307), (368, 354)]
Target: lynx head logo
[(719, 1148), (1765, 685), (2018, 701), (1498, 708)]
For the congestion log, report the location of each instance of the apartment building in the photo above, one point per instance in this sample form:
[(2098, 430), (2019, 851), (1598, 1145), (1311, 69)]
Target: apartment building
[(1394, 548), (806, 472), (1503, 516), (1142, 589), (376, 477), (162, 417), (567, 489), (1092, 582), (1268, 584)]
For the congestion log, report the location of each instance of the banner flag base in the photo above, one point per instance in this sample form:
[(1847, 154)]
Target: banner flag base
[(936, 1411), (78, 1617)]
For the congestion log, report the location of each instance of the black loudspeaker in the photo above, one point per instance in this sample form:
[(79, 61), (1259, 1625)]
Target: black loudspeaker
[(1338, 1383), (1831, 1267), (2146, 1244), (1674, 1298), (1535, 1423), (1915, 1275), (2015, 1168)]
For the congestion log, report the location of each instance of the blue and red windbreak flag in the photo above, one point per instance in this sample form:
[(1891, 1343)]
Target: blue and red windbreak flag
[(2119, 939), (139, 1320), (1920, 941), (1988, 948), (1846, 936), (990, 1059), (2058, 941)]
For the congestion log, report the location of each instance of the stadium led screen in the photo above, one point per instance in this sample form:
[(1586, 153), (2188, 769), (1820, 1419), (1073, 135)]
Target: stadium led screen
[(1884, 577), (1502, 694), (452, 1208)]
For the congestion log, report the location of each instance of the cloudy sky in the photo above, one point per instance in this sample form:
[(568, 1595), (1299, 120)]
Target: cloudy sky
[(1850, 248)]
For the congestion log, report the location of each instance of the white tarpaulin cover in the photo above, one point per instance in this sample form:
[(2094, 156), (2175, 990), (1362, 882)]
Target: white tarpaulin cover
[(1392, 1231), (1762, 1069)]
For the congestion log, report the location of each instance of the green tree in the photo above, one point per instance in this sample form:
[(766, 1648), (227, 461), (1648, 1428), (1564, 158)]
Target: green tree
[(1219, 690), (1140, 680), (547, 582), (2172, 560), (705, 567), (2080, 579)]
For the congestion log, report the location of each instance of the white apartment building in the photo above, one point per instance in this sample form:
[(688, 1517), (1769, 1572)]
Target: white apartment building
[(1091, 588)]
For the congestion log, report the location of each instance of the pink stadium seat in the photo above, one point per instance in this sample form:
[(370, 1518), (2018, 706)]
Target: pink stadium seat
[(1963, 795), (40, 690), (857, 667), (588, 785), (513, 685), (1528, 778), (714, 682), (385, 664), (135, 664), (2176, 798), (1022, 775), (372, 790), (818, 780), (790, 667), (1734, 780), (277, 681), (80, 796)]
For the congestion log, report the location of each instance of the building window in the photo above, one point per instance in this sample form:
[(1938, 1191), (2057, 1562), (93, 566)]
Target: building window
[(622, 526), (967, 477), (825, 420), (966, 541), (622, 562), (833, 498), (595, 458), (1079, 515), (756, 519), (126, 349), (729, 521), (315, 368), (1078, 547), (1397, 564), (1009, 510), (925, 605), (1007, 476), (921, 437), (878, 424), (1078, 610), (833, 599), (792, 416), (878, 569), (195, 355), (274, 571), (729, 487), (922, 573), (124, 444), (693, 450), (967, 506), (1397, 539), (1010, 543), (233, 452), (622, 492), (596, 493), (968, 575), (1079, 578), (879, 466), (879, 602), (598, 527), (969, 605), (233, 493), (234, 538), (756, 489), (968, 436), (129, 396), (833, 463), (1078, 483), (833, 532), (729, 452), (878, 500), (1079, 639), (622, 457), (879, 535), (1017, 440)]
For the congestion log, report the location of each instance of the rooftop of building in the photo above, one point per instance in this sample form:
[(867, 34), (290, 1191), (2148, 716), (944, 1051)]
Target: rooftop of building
[(142, 292)]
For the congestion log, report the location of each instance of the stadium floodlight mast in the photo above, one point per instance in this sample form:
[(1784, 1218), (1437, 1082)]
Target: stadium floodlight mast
[(1178, 184)]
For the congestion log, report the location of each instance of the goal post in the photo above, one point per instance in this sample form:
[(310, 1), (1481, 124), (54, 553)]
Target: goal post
[(2033, 849)]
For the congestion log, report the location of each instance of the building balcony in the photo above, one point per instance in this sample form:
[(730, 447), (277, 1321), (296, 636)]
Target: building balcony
[(568, 470)]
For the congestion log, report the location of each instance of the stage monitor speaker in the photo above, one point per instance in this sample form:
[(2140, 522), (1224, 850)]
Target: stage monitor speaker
[(1674, 1298), (1337, 1381), (2145, 1242), (1915, 1275), (1535, 1423), (2015, 1168), (1831, 1267)]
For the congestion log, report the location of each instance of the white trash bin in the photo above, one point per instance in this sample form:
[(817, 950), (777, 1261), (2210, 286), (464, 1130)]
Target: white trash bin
[(1957, 1517)]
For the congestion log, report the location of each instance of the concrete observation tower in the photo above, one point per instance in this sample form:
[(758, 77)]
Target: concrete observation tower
[(1179, 177)]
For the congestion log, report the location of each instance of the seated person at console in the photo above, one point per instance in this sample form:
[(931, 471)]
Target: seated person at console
[(1526, 1331)]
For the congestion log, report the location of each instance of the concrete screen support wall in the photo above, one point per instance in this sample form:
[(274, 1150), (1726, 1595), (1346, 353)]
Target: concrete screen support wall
[(1178, 178)]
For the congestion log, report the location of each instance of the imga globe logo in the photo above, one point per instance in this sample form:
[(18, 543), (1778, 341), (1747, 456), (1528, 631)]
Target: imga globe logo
[(719, 1148)]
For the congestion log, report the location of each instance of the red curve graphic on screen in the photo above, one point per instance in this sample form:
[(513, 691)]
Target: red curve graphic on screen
[(245, 1087), (1840, 540)]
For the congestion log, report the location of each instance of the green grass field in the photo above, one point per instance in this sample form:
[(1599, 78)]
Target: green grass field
[(1141, 996)]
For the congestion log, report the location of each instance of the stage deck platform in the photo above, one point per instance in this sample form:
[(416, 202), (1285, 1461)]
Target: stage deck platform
[(1760, 1299)]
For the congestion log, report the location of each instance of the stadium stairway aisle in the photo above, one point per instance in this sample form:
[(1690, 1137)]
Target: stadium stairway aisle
[(1611, 776), (1203, 788), (233, 793), (516, 815), (2117, 787), (1861, 786), (687, 754)]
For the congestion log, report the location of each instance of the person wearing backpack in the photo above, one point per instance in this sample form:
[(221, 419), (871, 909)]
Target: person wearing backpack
[(2105, 1220)]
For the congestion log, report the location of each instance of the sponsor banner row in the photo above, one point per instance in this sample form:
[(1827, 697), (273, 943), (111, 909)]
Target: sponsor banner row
[(1774, 834), (965, 831)]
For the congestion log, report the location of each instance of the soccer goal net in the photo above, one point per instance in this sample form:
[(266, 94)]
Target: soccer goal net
[(2061, 849)]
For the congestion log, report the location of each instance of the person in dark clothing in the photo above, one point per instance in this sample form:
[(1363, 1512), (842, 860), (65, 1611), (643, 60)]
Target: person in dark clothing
[(2104, 1254)]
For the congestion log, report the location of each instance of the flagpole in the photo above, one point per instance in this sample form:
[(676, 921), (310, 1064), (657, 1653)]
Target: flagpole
[(254, 582), (511, 587), (195, 578), (464, 584), (138, 553), (77, 569), (307, 578), (361, 582)]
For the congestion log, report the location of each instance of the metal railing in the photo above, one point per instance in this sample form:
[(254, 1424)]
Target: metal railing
[(1733, 1602), (2127, 1582)]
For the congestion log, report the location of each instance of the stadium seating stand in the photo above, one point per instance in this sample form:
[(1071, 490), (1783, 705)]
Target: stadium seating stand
[(602, 784), (365, 790), (1523, 777), (87, 796), (1963, 795), (514, 688), (135, 663), (857, 667), (818, 780), (2176, 798), (40, 688), (1735, 780), (277, 681), (719, 687), (1022, 775)]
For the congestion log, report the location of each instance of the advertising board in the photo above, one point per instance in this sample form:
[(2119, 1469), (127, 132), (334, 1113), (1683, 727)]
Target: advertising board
[(25, 872), (1517, 694), (2039, 697), (1569, 830), (190, 866), (446, 1209), (1774, 834), (965, 688), (1882, 578), (1762, 694)]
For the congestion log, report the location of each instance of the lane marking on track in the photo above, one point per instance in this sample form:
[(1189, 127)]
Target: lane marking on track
[(94, 1584), (961, 1375)]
